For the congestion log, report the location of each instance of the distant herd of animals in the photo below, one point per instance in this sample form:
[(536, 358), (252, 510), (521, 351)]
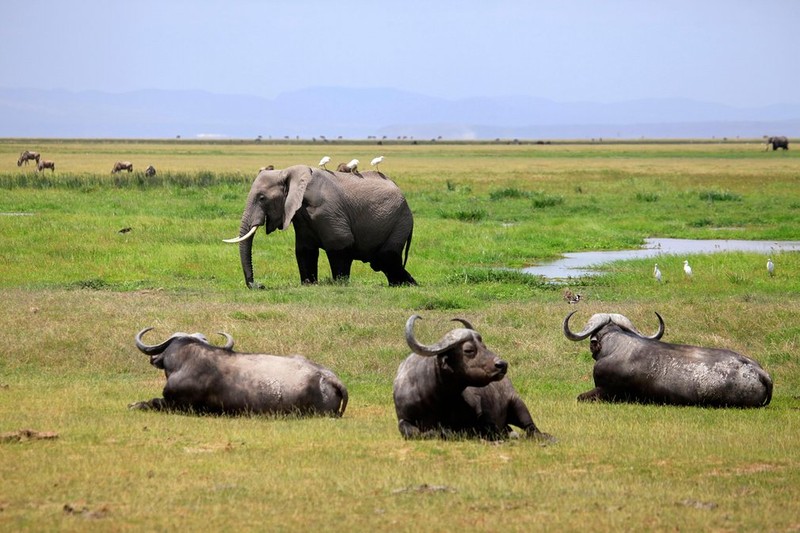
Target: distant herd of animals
[(455, 387)]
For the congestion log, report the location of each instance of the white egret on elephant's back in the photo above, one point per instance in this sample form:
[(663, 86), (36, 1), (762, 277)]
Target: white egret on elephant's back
[(324, 161), (377, 161)]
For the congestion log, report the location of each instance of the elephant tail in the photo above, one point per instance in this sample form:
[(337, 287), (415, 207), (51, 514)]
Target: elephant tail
[(408, 247)]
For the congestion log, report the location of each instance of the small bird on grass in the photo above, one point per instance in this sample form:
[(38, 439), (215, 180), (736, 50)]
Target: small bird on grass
[(324, 161), (657, 273), (770, 267), (687, 269), (377, 161), (570, 297)]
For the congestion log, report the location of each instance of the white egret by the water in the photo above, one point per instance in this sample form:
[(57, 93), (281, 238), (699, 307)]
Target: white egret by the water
[(324, 161), (657, 273), (770, 267), (687, 269), (377, 161)]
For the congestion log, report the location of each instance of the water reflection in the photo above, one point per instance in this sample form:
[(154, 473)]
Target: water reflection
[(578, 264)]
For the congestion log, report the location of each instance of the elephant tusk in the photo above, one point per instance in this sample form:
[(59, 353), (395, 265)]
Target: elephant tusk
[(243, 237)]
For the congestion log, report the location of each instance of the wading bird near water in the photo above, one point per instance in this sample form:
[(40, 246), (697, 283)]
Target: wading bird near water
[(770, 267), (657, 273), (687, 269)]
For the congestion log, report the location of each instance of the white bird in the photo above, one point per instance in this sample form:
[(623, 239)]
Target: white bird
[(770, 267), (657, 273), (324, 161), (377, 161), (353, 165), (687, 269)]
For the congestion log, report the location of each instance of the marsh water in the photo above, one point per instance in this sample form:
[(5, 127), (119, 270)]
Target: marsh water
[(579, 264)]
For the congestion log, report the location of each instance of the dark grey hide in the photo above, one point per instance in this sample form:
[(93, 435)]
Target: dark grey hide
[(457, 387), (777, 142), (362, 217), (214, 379), (632, 367)]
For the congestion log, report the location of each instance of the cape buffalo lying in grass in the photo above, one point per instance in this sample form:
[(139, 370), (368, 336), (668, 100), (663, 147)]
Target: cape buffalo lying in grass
[(215, 379), (457, 387), (633, 367)]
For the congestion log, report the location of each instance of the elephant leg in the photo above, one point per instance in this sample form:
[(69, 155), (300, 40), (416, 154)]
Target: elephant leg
[(391, 264), (307, 260), (341, 261)]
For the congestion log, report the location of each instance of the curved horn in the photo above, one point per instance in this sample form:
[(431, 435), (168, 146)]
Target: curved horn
[(229, 344), (658, 334), (463, 321), (596, 322), (151, 350), (445, 343), (243, 237)]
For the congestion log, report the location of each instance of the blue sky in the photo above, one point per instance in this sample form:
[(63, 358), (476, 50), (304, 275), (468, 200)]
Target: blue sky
[(735, 52)]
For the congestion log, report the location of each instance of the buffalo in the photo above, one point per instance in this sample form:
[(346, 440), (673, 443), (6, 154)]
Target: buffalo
[(457, 387), (637, 368), (215, 379), (122, 165)]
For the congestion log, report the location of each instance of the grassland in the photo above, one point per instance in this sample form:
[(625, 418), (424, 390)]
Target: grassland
[(74, 291)]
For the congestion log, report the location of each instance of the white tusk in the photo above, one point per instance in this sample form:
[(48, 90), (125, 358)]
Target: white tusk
[(243, 237)]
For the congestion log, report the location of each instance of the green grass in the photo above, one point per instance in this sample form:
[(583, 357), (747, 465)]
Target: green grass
[(74, 292)]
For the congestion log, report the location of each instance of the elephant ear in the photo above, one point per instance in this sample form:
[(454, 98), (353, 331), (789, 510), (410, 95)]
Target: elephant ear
[(297, 179)]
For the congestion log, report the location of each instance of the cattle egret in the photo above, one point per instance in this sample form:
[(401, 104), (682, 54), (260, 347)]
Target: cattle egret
[(770, 267), (377, 161), (657, 273), (324, 161), (687, 269), (353, 165)]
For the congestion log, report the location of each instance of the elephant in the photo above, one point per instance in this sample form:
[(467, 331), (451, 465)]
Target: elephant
[(363, 217), (777, 142)]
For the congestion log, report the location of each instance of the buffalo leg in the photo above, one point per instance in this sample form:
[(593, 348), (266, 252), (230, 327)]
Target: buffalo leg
[(597, 394), (520, 416), (156, 404)]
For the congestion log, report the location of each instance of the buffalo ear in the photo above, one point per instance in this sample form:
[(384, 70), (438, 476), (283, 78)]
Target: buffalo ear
[(297, 179)]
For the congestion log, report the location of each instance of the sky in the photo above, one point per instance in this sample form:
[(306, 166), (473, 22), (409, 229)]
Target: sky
[(741, 53)]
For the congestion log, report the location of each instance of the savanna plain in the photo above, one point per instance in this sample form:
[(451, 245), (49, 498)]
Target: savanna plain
[(75, 290)]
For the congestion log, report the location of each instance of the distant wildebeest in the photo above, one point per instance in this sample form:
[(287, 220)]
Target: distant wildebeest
[(44, 163), (150, 171), (215, 379), (26, 156), (777, 142), (457, 387), (632, 367), (122, 165)]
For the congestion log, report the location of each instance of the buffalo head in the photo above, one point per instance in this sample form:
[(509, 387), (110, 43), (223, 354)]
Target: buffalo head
[(462, 354)]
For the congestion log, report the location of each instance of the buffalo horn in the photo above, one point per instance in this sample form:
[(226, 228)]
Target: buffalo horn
[(445, 343), (465, 322), (588, 330), (151, 350), (229, 344)]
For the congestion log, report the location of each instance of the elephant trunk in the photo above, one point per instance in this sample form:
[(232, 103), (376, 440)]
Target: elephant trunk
[(246, 251)]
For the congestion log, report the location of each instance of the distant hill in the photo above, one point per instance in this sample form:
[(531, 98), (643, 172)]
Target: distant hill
[(362, 113)]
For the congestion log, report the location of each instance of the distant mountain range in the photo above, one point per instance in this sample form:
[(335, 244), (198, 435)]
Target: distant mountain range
[(332, 112)]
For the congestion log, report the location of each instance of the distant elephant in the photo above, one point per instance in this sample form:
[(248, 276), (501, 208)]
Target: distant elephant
[(777, 142), (364, 218)]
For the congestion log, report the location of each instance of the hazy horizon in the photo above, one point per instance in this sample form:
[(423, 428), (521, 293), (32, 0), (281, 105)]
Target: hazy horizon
[(734, 53)]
